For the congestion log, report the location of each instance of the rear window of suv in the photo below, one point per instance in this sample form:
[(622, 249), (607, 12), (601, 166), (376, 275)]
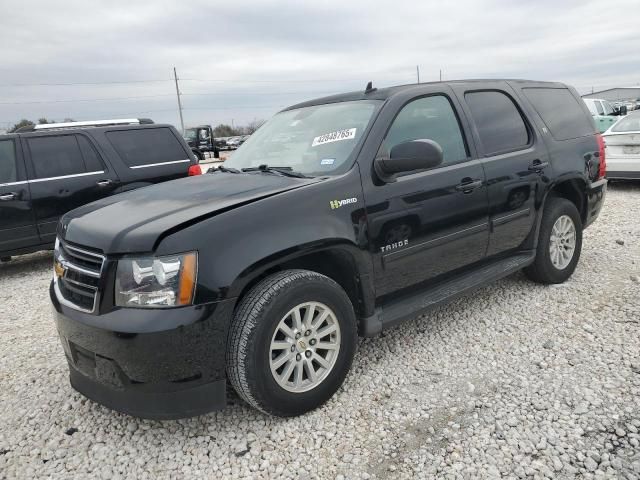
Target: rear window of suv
[(561, 112), (149, 146)]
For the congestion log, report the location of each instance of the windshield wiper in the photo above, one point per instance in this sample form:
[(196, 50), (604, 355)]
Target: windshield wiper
[(222, 168), (286, 171)]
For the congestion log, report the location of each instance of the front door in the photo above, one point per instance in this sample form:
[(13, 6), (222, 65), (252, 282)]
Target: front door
[(65, 172), (433, 222), (17, 223)]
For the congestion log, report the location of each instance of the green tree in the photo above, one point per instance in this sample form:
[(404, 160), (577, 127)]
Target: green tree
[(22, 123), (223, 130)]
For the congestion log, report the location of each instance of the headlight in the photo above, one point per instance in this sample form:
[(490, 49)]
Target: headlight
[(156, 281)]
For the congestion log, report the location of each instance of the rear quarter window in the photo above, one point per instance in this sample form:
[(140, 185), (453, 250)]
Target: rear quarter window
[(148, 146), (561, 112)]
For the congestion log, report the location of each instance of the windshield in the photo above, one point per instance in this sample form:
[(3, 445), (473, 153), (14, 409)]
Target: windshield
[(630, 123), (316, 140), (190, 133)]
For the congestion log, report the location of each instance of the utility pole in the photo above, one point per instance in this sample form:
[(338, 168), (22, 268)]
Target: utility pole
[(175, 76), (418, 72), (440, 74)]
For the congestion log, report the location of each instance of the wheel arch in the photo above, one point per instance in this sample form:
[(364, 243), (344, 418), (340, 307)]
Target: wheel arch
[(344, 263), (571, 188), (574, 190)]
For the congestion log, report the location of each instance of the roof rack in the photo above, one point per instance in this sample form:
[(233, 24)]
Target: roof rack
[(91, 123)]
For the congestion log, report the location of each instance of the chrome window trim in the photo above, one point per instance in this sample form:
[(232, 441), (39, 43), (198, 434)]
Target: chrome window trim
[(48, 179), (158, 164), (75, 175), (10, 184)]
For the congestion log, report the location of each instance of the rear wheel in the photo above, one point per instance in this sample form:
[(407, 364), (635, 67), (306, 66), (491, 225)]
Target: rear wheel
[(291, 343), (559, 243)]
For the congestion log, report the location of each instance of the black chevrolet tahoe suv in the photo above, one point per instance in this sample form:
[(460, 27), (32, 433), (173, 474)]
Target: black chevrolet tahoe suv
[(48, 170), (340, 217)]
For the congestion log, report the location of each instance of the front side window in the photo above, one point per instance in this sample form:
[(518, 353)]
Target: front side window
[(56, 156), (139, 147), (429, 118), (599, 108), (498, 120), (8, 170), (315, 140)]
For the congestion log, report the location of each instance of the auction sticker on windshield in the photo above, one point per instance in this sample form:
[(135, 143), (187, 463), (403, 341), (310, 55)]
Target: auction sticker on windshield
[(337, 136)]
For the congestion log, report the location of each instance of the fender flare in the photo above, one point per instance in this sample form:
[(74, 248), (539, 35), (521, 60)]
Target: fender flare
[(360, 262)]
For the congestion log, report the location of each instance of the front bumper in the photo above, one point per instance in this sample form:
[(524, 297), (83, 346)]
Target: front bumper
[(175, 372), (596, 193)]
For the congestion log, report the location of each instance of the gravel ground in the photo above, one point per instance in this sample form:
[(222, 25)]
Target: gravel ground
[(518, 380)]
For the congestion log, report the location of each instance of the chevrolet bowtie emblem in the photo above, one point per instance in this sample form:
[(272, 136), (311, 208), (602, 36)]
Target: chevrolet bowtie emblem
[(58, 269)]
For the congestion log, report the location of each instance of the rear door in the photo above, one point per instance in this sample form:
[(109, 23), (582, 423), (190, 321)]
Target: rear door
[(65, 172), (17, 223), (514, 159)]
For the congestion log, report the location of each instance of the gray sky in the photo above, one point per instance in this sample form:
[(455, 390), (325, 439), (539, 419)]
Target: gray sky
[(245, 60)]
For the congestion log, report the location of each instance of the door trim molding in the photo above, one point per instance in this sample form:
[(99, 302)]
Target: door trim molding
[(434, 242)]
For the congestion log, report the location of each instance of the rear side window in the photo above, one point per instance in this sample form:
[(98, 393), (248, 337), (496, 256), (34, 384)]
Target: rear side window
[(498, 120), (56, 156), (147, 146), (8, 167), (561, 112)]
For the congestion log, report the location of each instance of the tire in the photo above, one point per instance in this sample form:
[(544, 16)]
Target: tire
[(545, 269), (256, 329)]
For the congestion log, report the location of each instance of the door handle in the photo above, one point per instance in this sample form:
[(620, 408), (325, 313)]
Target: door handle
[(538, 166), (104, 183), (468, 185), (6, 197)]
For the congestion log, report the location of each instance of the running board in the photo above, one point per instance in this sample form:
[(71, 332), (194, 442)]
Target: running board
[(409, 306)]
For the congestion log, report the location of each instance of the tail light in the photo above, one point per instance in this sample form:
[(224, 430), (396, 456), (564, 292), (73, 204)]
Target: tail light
[(602, 167), (195, 170)]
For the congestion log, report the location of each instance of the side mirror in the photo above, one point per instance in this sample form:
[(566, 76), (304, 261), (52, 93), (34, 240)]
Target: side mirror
[(408, 157), (622, 110)]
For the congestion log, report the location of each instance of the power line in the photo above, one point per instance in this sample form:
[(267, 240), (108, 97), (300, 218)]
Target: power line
[(124, 82), (361, 77), (111, 99)]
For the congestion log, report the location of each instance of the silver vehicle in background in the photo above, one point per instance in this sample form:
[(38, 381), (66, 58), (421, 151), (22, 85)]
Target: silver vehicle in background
[(623, 148)]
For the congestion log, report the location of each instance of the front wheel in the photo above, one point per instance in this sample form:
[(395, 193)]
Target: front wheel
[(291, 342), (559, 243)]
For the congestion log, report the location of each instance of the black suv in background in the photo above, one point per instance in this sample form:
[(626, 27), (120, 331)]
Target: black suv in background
[(48, 170), (339, 216)]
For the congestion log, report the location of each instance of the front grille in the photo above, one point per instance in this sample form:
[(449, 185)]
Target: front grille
[(78, 279)]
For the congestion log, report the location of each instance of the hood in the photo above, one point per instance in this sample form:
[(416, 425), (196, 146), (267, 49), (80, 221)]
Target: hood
[(134, 221)]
